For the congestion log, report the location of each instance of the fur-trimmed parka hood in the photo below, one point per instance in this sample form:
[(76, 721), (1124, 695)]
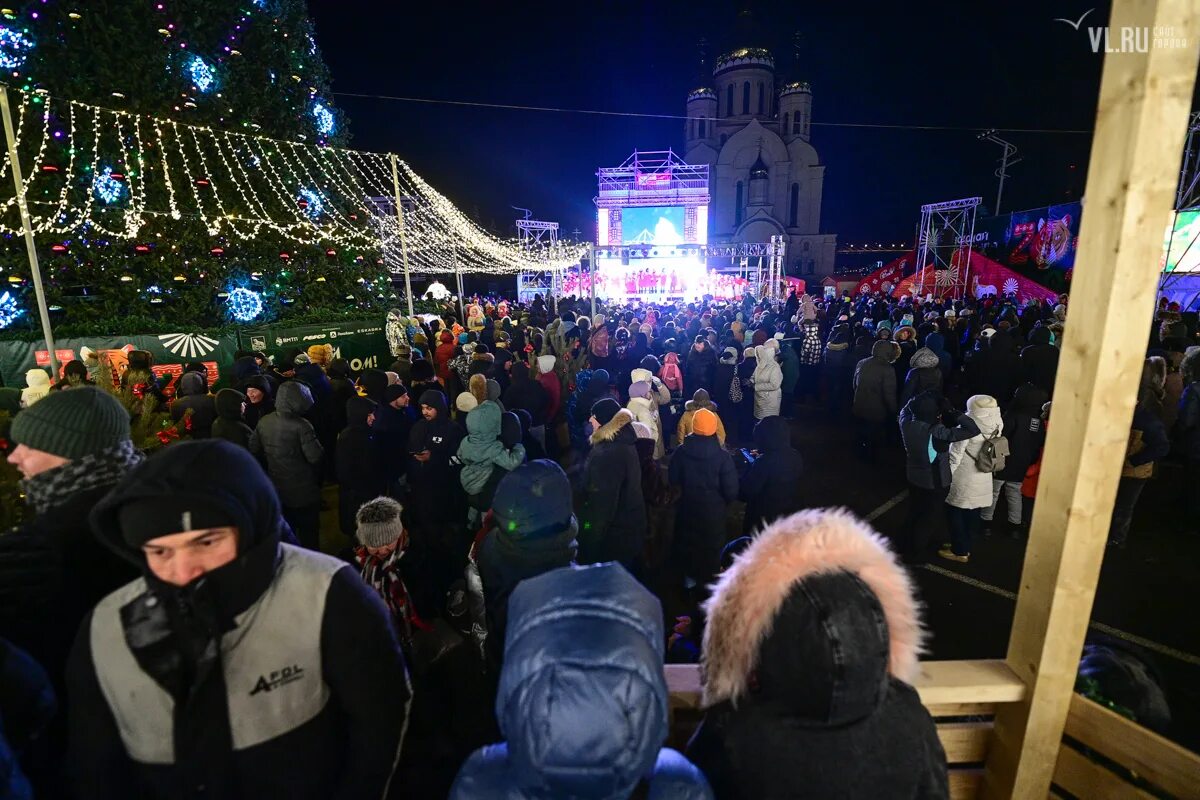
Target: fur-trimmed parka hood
[(812, 618), (1189, 367), (608, 431)]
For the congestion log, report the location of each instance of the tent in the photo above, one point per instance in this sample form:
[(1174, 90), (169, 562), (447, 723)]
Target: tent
[(984, 277), (886, 277)]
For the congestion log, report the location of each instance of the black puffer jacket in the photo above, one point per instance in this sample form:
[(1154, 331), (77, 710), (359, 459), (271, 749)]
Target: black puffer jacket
[(1039, 360), (192, 393), (526, 393), (289, 444), (699, 371), (770, 486), (826, 711), (875, 383), (706, 475), (359, 471), (437, 495), (229, 425), (1024, 429), (994, 368), (613, 516)]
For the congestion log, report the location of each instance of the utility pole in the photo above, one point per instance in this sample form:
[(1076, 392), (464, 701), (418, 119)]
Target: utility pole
[(1006, 160)]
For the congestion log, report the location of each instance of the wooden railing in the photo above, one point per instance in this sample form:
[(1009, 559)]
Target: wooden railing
[(1106, 755), (962, 697)]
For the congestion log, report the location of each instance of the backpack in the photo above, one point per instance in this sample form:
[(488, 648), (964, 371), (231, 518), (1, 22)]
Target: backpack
[(672, 377), (735, 388), (993, 454)]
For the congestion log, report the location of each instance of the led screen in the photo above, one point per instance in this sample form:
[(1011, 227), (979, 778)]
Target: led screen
[(1181, 245), (653, 225)]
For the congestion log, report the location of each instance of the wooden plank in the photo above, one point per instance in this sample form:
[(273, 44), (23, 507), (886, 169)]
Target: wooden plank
[(984, 681), (964, 742), (964, 783), (1162, 763), (950, 684), (1083, 777), (1140, 123)]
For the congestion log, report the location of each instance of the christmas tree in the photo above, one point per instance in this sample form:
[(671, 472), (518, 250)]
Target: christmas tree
[(235, 66)]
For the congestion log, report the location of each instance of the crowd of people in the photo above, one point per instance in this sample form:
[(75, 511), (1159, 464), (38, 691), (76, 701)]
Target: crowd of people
[(519, 503)]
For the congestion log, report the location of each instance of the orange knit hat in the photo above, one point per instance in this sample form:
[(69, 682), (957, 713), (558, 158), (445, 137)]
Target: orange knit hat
[(704, 422)]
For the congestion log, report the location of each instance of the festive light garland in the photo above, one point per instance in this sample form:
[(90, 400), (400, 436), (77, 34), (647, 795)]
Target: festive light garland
[(324, 117), (244, 304), (204, 78), (239, 186), (14, 47), (9, 310)]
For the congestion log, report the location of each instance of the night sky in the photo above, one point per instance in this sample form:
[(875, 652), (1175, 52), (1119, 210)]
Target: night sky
[(963, 65)]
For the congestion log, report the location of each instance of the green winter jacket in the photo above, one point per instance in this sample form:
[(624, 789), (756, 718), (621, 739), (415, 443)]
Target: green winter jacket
[(482, 449)]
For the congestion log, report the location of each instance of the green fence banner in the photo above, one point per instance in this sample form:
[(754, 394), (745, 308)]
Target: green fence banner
[(360, 342), (170, 351)]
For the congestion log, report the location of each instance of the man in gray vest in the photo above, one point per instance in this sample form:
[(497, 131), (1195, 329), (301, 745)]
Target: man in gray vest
[(237, 666)]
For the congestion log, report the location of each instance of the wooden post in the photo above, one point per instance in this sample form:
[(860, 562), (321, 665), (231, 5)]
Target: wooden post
[(403, 244), (1140, 124), (27, 226)]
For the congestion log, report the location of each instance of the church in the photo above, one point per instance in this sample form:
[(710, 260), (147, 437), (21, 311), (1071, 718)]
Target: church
[(752, 126)]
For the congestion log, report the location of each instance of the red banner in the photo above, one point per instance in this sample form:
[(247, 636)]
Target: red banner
[(983, 278), (888, 276)]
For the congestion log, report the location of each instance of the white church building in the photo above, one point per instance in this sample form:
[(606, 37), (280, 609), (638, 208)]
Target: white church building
[(765, 176)]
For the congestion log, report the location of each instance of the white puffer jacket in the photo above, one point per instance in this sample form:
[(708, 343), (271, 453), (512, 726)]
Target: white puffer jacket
[(37, 386), (768, 381), (970, 488)]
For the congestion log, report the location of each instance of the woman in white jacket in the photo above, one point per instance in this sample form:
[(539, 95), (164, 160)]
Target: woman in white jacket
[(970, 487), (768, 381), (656, 395)]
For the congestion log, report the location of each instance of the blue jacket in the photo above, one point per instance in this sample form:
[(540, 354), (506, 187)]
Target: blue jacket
[(582, 701)]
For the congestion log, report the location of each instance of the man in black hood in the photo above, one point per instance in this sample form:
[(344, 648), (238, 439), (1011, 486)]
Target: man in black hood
[(928, 426), (235, 666)]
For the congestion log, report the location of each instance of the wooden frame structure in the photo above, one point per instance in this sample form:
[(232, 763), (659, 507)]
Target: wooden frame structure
[(1002, 723)]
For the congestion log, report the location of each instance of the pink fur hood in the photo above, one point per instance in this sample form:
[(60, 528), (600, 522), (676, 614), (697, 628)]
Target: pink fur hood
[(748, 597)]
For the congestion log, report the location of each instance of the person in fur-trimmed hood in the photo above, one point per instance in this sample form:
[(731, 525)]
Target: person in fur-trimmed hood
[(810, 640), (613, 514)]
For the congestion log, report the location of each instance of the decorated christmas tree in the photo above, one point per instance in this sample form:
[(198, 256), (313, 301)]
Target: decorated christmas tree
[(144, 241)]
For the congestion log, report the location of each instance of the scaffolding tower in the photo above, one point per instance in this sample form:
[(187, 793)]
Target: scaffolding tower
[(537, 238), (944, 240)]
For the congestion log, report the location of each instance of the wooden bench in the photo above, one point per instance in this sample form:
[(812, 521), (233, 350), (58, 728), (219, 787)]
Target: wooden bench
[(1103, 754)]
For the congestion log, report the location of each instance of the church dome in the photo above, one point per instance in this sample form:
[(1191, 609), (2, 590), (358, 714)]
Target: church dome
[(745, 57), (759, 169)]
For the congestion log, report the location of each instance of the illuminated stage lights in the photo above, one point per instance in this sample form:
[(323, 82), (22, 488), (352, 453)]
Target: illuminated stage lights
[(324, 117), (14, 47), (203, 76), (9, 310), (107, 187), (244, 304)]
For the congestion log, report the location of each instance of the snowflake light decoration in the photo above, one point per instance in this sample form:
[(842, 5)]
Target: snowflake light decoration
[(14, 48), (107, 188), (9, 310), (244, 304), (324, 117), (204, 78), (315, 205)]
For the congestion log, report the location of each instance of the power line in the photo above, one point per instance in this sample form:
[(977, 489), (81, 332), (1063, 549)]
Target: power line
[(597, 112)]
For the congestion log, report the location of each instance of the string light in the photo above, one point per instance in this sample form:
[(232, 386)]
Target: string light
[(202, 75), (9, 310), (242, 186), (244, 304), (14, 47), (107, 188), (324, 118)]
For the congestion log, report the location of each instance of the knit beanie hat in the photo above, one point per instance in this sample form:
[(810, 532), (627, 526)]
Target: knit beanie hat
[(605, 409), (72, 424), (545, 364), (394, 392), (639, 389), (378, 522), (145, 518), (466, 402), (704, 422)]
